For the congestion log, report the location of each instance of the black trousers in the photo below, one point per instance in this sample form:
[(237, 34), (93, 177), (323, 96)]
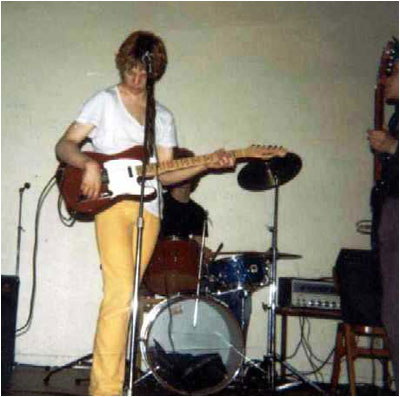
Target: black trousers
[(389, 262)]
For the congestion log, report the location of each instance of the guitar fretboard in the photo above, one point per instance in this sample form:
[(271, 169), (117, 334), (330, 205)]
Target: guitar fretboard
[(187, 162)]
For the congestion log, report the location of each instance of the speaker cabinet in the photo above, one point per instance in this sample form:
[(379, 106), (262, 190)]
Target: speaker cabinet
[(360, 290), (9, 303)]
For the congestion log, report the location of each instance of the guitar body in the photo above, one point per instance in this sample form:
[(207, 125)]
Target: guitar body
[(119, 182)]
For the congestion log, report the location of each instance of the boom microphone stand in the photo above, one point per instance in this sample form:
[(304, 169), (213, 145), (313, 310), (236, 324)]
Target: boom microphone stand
[(132, 351)]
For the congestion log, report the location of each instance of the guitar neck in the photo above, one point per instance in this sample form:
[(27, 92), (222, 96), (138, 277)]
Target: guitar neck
[(186, 162), (379, 116), (379, 113)]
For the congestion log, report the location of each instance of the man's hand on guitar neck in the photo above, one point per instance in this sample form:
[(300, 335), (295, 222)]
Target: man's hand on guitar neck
[(382, 141), (221, 159)]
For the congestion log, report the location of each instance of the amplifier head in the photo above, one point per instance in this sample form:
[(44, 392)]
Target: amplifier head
[(310, 293)]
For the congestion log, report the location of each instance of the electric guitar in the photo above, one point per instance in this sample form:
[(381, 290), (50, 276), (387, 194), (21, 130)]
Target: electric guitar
[(121, 174)]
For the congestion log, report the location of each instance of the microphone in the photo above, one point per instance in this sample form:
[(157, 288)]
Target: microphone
[(27, 185), (147, 59)]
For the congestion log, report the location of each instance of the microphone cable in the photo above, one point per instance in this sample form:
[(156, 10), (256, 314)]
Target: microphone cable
[(25, 328)]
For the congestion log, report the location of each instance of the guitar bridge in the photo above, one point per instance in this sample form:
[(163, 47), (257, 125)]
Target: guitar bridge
[(106, 194), (102, 195)]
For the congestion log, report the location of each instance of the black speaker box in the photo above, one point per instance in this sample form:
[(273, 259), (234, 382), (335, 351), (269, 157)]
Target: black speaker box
[(9, 303), (359, 283)]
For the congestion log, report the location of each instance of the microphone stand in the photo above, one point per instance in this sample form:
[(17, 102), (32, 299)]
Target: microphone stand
[(20, 228), (132, 353)]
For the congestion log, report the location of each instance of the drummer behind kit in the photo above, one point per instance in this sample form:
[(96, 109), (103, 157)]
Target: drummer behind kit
[(192, 342)]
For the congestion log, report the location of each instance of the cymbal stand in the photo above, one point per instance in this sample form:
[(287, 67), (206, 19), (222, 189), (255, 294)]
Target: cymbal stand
[(271, 356)]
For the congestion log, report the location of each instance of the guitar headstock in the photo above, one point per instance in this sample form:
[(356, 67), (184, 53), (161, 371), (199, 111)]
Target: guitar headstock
[(387, 61), (265, 152)]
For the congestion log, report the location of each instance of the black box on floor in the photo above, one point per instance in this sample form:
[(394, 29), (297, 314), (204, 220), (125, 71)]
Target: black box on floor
[(9, 303)]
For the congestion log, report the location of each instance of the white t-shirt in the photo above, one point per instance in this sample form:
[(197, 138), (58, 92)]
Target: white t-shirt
[(117, 130)]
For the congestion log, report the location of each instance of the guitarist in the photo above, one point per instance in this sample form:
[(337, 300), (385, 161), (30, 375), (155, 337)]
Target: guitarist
[(386, 144), (114, 119)]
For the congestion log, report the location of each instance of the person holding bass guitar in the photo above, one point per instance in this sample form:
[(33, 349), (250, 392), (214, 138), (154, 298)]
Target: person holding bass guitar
[(385, 143), (117, 119)]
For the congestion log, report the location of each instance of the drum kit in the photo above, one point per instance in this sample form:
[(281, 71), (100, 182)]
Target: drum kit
[(192, 342)]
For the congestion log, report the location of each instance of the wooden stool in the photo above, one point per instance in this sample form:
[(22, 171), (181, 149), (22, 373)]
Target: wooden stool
[(346, 345)]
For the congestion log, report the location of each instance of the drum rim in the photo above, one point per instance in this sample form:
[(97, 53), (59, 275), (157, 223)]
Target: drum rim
[(235, 257), (175, 237), (147, 326)]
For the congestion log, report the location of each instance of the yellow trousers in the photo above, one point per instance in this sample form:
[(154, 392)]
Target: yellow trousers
[(116, 238)]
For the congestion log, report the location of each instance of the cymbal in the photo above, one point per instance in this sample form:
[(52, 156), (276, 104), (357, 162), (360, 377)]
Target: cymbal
[(266, 255), (260, 175), (282, 255)]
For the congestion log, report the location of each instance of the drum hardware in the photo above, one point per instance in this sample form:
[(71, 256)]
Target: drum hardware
[(217, 252), (200, 270), (241, 317), (281, 255), (261, 176)]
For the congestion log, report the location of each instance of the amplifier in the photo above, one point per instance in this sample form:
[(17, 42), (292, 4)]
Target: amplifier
[(310, 293)]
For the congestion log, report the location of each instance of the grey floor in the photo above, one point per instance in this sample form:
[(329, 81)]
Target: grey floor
[(29, 381)]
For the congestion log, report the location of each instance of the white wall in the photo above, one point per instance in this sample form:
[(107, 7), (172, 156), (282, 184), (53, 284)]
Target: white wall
[(295, 74)]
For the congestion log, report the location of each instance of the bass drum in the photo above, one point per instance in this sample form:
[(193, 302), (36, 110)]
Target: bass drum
[(192, 345)]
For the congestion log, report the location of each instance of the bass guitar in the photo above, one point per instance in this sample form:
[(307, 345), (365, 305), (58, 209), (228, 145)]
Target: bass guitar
[(121, 174), (379, 189)]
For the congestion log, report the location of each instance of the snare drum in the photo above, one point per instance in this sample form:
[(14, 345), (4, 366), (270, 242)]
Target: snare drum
[(192, 345), (173, 267), (244, 271)]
